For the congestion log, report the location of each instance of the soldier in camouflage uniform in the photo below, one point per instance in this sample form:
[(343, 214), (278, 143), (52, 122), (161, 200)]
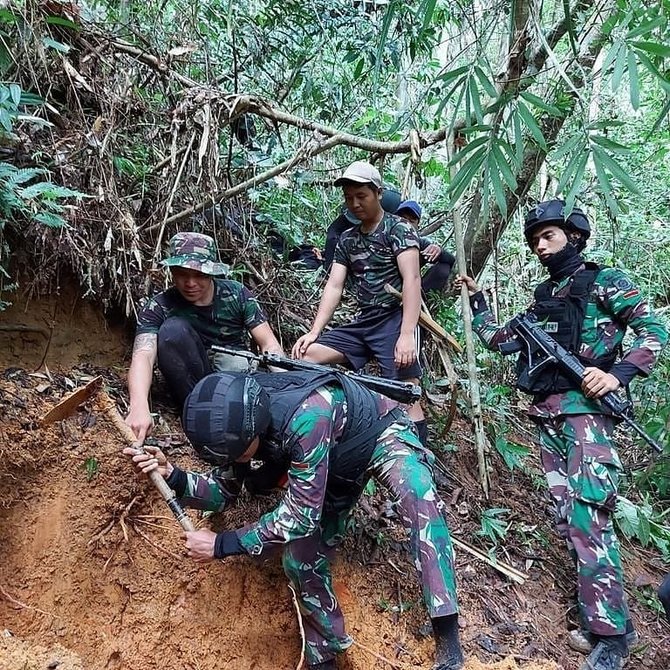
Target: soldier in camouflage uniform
[(324, 435), (587, 309), (177, 327), (383, 248)]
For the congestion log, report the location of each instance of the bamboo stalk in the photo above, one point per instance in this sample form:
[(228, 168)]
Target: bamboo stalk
[(475, 399)]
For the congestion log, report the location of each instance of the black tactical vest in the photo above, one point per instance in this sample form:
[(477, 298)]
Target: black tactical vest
[(350, 456), (562, 318)]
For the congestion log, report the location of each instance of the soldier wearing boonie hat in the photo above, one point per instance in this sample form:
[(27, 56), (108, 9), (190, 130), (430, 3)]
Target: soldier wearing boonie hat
[(177, 327), (196, 252)]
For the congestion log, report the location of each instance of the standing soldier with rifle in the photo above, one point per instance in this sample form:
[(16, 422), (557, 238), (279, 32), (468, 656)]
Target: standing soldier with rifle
[(586, 309)]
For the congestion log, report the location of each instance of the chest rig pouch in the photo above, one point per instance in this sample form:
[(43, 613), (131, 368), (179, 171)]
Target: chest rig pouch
[(562, 318), (350, 456)]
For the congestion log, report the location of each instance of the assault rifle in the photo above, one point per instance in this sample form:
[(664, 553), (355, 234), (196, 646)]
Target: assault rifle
[(544, 350), (404, 392)]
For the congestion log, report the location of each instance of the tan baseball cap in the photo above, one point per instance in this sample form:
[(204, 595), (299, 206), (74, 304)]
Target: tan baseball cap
[(360, 172)]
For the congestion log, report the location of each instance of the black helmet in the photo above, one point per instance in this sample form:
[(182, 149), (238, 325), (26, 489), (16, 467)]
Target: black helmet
[(223, 414), (553, 212)]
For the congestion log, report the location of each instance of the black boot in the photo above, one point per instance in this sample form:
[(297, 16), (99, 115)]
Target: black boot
[(330, 664), (448, 653)]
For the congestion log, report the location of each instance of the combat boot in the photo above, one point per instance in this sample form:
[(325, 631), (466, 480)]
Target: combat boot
[(583, 641), (606, 655), (448, 653), (330, 664)]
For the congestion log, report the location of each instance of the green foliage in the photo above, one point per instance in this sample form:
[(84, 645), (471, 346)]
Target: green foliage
[(493, 527), (92, 468), (641, 522), (25, 193)]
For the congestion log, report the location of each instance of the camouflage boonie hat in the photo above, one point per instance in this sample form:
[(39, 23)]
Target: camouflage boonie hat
[(195, 251)]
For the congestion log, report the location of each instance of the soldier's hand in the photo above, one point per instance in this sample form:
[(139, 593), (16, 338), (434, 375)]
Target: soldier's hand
[(596, 383), (469, 282), (147, 459), (303, 343), (405, 351), (140, 422), (200, 545), (432, 252)]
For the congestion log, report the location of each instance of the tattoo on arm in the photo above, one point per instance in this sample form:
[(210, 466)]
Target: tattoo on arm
[(146, 342)]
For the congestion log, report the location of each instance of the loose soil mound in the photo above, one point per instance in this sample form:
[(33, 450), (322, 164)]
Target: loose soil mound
[(93, 575)]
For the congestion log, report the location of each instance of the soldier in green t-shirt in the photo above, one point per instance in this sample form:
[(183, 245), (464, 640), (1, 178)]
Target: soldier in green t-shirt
[(382, 249), (177, 327)]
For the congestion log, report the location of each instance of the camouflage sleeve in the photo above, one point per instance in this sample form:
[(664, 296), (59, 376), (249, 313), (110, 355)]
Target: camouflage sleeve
[(253, 312), (311, 431), (341, 255), (210, 491), (624, 300), (150, 318), (484, 324), (403, 236)]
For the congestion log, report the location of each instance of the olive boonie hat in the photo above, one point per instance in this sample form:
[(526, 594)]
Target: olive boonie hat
[(195, 251)]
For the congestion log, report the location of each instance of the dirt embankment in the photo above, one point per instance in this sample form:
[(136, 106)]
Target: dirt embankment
[(93, 576)]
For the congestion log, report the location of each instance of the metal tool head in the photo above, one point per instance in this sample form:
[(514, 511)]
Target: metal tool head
[(68, 406)]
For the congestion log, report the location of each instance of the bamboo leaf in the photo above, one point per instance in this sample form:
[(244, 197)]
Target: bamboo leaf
[(644, 59), (646, 28), (633, 80), (531, 125), (494, 170), (567, 147), (619, 65), (15, 93), (615, 169), (577, 159), (577, 179), (504, 168), (470, 146), (453, 74), (428, 8), (611, 56), (476, 100), (61, 21), (518, 137), (662, 50), (466, 173), (486, 82), (605, 185), (541, 104), (610, 144)]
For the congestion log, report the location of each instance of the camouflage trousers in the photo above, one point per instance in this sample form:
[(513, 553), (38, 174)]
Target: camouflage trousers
[(402, 465), (582, 469)]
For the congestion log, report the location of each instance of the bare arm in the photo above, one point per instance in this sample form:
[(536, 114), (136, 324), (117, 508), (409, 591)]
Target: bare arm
[(408, 265), (265, 339), (140, 375), (330, 299)]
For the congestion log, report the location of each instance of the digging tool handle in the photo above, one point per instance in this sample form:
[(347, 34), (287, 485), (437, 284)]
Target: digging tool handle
[(428, 322), (156, 479)]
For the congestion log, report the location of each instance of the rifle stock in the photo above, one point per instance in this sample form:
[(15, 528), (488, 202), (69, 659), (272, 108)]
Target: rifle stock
[(404, 392), (537, 341)]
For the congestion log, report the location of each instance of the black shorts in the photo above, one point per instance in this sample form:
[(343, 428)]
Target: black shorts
[(373, 334)]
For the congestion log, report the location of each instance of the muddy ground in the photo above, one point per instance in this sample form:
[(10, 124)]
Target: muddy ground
[(92, 573)]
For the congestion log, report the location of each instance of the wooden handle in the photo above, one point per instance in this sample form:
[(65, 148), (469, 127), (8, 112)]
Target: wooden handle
[(156, 479), (428, 322)]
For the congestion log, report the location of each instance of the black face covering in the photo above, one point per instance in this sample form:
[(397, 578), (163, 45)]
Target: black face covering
[(566, 261)]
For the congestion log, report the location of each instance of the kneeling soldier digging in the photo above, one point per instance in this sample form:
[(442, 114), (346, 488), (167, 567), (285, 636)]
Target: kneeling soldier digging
[(329, 435)]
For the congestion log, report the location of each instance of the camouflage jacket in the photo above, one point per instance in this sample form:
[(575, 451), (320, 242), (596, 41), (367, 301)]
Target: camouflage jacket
[(370, 259), (614, 304), (234, 310), (314, 427)]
